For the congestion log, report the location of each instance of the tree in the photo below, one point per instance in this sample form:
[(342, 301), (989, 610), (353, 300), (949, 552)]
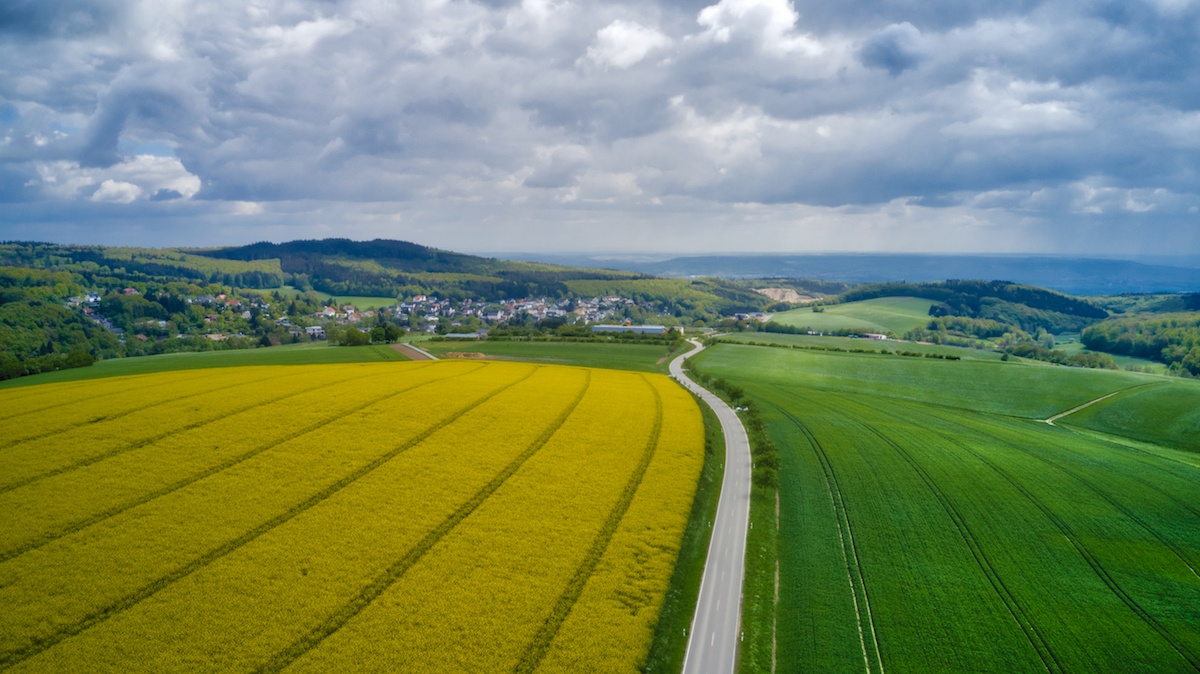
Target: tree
[(353, 337)]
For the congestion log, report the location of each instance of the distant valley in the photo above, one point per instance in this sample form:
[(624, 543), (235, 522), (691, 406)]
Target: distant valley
[(1076, 276)]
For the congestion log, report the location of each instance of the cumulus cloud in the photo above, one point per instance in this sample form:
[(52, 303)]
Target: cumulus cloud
[(769, 23), (622, 44), (446, 122)]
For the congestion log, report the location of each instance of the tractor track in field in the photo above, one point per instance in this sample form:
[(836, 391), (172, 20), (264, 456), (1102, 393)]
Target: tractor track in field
[(544, 637), (41, 644), (119, 415), (80, 525), (138, 444), (1183, 558), (1018, 613), (964, 423), (397, 570), (841, 513), (1006, 596), (1097, 567), (60, 402), (1114, 440)]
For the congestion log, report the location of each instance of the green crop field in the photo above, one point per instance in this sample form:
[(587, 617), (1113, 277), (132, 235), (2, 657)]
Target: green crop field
[(358, 301), (886, 314), (818, 342), (929, 521), (1030, 391), (1167, 414), (1140, 364), (641, 357)]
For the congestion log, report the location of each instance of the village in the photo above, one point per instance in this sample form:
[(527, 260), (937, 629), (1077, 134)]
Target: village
[(273, 317)]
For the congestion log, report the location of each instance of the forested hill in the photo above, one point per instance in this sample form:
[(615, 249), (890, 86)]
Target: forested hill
[(389, 268), (95, 264), (305, 255), (1028, 307)]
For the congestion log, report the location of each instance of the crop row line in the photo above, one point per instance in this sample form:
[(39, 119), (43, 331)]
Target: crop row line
[(1109, 440), (1174, 548), (537, 648), (401, 566), (1036, 640), (82, 388), (1018, 613), (118, 415), (844, 532), (211, 556), (82, 524), (1103, 573), (138, 444), (1097, 567)]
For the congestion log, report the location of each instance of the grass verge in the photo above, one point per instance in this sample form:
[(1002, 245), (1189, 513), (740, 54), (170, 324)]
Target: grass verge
[(759, 597)]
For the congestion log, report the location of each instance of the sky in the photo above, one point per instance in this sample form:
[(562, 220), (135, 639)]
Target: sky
[(980, 126)]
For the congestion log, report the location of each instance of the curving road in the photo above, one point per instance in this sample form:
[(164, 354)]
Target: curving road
[(716, 628)]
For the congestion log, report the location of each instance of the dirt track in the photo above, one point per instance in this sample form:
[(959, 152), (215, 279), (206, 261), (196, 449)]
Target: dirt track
[(410, 352)]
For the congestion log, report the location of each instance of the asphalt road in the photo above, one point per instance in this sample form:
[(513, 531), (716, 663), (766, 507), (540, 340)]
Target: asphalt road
[(716, 628)]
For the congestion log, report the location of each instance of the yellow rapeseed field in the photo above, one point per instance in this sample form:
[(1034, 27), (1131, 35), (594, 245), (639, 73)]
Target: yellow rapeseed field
[(434, 516)]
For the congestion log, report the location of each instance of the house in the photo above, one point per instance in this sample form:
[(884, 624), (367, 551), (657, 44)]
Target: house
[(873, 335), (315, 331), (130, 291)]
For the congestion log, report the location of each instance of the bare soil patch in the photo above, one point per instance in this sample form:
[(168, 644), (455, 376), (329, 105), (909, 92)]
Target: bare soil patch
[(786, 295), (410, 352)]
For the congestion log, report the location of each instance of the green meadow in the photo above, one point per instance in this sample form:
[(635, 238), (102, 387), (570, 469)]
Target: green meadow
[(929, 520), (885, 314), (640, 357), (359, 302), (831, 343), (305, 353)]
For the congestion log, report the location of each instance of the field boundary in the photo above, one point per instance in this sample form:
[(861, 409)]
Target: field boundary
[(147, 591), (544, 637), (394, 572), (80, 525)]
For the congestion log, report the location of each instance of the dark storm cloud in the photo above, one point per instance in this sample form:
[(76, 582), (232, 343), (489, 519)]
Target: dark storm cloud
[(57, 18), (1018, 113), (894, 48)]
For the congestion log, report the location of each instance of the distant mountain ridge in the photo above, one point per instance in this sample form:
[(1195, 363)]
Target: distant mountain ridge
[(1076, 276)]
